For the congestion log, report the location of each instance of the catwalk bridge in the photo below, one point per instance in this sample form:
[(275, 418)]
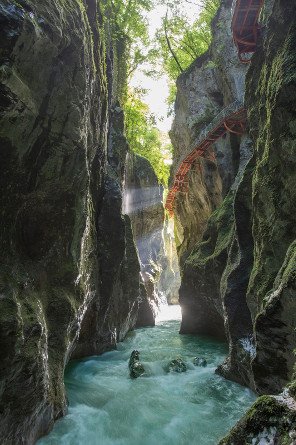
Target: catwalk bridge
[(245, 29), (231, 119)]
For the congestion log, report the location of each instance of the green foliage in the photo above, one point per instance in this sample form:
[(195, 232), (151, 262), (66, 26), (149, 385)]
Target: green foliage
[(129, 29), (126, 17), (144, 137), (179, 42), (126, 21)]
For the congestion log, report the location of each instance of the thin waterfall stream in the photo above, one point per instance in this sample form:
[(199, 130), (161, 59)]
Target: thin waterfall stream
[(107, 407)]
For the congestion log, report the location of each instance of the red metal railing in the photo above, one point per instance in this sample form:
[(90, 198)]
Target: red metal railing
[(245, 27), (231, 119)]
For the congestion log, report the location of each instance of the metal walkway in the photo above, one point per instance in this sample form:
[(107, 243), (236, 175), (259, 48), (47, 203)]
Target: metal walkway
[(231, 119), (245, 27)]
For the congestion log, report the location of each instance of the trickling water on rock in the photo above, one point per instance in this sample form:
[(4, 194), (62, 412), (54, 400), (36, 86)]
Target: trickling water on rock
[(108, 408)]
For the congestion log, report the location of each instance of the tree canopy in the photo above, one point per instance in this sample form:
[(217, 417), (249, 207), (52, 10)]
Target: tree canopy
[(144, 137), (177, 44)]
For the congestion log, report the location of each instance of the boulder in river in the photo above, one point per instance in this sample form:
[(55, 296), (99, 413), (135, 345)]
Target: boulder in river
[(135, 366), (177, 365), (198, 361)]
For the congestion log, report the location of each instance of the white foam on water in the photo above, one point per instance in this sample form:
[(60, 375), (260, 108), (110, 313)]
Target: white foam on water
[(108, 408)]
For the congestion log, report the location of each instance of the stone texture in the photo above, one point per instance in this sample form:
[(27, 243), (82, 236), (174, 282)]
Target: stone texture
[(143, 203), (270, 97), (212, 82), (170, 279), (240, 269), (269, 420), (238, 266), (69, 280)]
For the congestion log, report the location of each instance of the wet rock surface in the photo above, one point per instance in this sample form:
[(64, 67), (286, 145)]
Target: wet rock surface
[(69, 280), (272, 117), (212, 82), (204, 223), (135, 366), (239, 275), (199, 361), (143, 203), (269, 420), (238, 269), (177, 365)]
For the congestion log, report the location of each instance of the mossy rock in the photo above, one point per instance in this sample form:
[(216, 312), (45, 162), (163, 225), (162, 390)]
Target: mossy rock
[(267, 414), (135, 366), (177, 365)]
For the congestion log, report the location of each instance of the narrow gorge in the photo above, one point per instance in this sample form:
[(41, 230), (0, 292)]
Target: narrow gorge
[(95, 246)]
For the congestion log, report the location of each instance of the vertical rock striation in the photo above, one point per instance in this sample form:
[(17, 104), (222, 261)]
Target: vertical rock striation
[(69, 274), (238, 253), (270, 98), (212, 82), (143, 202), (264, 357)]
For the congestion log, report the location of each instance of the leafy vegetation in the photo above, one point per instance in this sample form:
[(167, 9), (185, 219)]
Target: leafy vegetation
[(176, 45), (144, 137), (127, 25), (181, 42)]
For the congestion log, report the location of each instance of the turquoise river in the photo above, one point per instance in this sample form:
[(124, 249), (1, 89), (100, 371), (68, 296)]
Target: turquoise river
[(106, 407)]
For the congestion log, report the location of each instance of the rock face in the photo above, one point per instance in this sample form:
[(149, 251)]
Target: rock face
[(143, 203), (170, 279), (238, 253), (270, 420), (265, 356), (272, 115), (213, 82), (109, 318), (69, 275), (177, 365), (135, 366)]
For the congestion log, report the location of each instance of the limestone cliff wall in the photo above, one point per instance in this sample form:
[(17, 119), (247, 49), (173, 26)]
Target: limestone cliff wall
[(241, 264), (271, 98), (211, 83), (170, 279), (143, 203), (69, 269), (264, 357)]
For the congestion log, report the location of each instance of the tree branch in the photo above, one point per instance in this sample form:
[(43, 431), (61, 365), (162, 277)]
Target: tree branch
[(169, 43)]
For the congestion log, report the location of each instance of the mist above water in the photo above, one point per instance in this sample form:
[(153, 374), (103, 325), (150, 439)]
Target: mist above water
[(108, 408), (137, 199)]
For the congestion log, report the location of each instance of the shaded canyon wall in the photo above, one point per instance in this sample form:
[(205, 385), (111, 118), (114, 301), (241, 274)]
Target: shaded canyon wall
[(236, 225), (69, 268)]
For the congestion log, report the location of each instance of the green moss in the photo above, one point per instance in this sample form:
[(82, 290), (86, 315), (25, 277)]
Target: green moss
[(218, 235), (292, 389), (265, 413), (273, 180)]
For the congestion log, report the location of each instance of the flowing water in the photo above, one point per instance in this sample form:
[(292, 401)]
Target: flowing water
[(106, 407)]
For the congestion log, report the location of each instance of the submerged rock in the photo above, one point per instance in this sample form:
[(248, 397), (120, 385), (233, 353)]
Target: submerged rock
[(135, 366), (198, 361), (177, 365)]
